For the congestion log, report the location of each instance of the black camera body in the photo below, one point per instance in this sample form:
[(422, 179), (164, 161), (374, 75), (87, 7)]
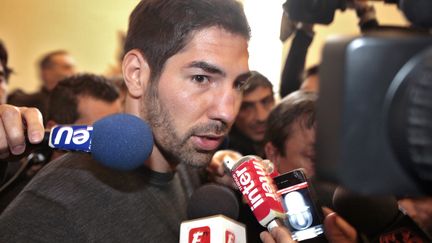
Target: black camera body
[(313, 11), (418, 12), (375, 112)]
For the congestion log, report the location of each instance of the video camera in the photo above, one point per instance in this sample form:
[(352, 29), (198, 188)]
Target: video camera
[(418, 12), (374, 115)]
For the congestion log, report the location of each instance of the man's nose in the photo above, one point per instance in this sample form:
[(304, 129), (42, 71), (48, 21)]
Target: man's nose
[(261, 112), (226, 106)]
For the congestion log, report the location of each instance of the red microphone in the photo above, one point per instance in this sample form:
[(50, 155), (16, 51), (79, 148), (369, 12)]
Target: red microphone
[(254, 182)]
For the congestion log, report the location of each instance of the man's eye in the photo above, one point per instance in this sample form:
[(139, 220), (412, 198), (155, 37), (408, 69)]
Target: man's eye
[(200, 79), (246, 107), (268, 102)]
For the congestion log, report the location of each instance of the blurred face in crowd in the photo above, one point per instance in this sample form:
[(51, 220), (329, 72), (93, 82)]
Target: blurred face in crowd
[(61, 66), (194, 102), (255, 108), (3, 85), (299, 150)]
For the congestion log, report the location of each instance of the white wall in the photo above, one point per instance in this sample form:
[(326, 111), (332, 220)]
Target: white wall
[(86, 28)]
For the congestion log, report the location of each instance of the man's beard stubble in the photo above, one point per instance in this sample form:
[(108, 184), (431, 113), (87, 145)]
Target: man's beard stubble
[(175, 148)]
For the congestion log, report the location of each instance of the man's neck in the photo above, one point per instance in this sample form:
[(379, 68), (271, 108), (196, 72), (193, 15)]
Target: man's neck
[(157, 162)]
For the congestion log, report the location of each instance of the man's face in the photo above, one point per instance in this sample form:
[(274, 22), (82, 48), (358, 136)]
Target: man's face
[(299, 150), (255, 109), (197, 97), (3, 85), (62, 66)]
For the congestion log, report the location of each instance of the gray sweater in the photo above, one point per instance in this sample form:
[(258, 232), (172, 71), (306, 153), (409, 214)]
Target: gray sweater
[(74, 199)]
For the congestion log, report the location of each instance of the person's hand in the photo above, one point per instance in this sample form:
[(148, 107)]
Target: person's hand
[(337, 230), (17, 123), (277, 234), (420, 210), (216, 169)]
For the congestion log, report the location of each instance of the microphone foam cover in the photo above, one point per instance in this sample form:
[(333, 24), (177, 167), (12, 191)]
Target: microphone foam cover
[(368, 214), (212, 199), (121, 141)]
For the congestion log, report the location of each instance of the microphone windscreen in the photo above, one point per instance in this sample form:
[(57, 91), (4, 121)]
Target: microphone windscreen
[(121, 141), (213, 199), (368, 214)]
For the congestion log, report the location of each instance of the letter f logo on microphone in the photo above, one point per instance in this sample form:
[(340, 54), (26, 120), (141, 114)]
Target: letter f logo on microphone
[(229, 237), (199, 235)]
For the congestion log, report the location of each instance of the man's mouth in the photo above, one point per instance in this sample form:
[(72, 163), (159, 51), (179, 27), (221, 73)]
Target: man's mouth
[(259, 128), (207, 142)]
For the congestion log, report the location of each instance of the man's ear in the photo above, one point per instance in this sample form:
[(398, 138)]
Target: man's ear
[(136, 72)]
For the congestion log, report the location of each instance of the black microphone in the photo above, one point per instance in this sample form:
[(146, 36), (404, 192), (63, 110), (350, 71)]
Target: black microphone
[(211, 212), (120, 141), (212, 199), (378, 217)]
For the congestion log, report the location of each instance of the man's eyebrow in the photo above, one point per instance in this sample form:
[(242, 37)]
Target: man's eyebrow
[(207, 67)]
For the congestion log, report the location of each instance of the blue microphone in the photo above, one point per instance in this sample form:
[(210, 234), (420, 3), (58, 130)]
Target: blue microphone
[(120, 141)]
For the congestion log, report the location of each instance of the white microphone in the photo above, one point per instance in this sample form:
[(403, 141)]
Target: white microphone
[(210, 212), (211, 229)]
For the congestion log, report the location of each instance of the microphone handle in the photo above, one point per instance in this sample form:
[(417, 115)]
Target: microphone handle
[(29, 149)]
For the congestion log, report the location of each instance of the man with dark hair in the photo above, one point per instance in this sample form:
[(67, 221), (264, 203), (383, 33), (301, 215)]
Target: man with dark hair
[(290, 133), (185, 65), (247, 134), (53, 67), (80, 99), (56, 66), (290, 139), (247, 137)]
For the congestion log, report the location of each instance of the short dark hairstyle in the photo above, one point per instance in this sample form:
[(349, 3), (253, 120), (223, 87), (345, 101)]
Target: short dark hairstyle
[(256, 80), (46, 60), (63, 100), (297, 106), (161, 28), (4, 61)]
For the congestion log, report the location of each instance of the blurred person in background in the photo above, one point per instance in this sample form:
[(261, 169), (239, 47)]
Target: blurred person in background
[(247, 134), (53, 67)]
